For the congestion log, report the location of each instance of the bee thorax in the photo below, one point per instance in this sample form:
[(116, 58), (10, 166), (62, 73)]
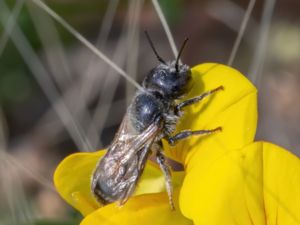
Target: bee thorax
[(171, 121), (144, 109)]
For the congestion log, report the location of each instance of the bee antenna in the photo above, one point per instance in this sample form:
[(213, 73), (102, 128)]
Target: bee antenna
[(152, 46), (179, 54)]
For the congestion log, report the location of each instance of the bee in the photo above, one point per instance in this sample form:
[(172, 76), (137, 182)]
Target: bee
[(151, 117)]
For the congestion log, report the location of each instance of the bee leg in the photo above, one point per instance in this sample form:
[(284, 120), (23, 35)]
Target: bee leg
[(196, 99), (187, 133), (161, 160)]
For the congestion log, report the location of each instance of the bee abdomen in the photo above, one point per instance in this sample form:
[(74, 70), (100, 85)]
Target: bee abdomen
[(112, 187), (101, 193)]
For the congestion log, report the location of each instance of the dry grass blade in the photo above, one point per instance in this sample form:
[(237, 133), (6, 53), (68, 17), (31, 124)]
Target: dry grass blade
[(20, 212), (3, 131), (52, 46), (134, 10), (42, 77), (10, 24), (13, 162), (106, 95), (59, 68), (241, 32), (85, 42), (260, 51), (166, 27)]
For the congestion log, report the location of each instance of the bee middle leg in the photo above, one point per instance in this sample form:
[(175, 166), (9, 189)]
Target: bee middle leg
[(187, 133), (161, 160), (196, 99)]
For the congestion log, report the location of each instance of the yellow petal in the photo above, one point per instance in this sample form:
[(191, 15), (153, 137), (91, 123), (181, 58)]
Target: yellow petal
[(72, 179), (281, 185), (142, 209), (234, 109), (153, 181), (258, 184)]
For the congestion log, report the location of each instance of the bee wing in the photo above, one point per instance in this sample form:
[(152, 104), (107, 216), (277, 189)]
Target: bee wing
[(142, 157), (127, 142), (122, 165)]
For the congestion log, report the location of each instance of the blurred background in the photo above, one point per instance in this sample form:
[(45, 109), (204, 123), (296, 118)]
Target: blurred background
[(58, 97)]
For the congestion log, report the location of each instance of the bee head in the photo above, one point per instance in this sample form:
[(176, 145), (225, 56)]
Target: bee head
[(171, 80)]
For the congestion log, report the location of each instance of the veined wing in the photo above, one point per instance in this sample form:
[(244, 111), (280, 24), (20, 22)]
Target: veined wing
[(119, 170), (127, 141)]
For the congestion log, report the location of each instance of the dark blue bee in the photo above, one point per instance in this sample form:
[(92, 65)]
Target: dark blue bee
[(151, 117)]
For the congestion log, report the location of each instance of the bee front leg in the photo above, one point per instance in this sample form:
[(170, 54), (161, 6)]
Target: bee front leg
[(161, 160), (187, 133), (196, 99)]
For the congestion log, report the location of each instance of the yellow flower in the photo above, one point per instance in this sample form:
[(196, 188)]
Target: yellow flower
[(227, 178)]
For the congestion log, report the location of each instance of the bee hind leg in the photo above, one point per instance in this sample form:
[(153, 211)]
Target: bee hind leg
[(161, 160)]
